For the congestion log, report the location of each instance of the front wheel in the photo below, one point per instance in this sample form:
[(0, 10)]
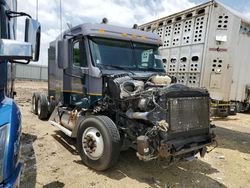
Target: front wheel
[(98, 142)]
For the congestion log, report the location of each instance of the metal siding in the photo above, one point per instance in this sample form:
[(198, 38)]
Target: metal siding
[(44, 73), (183, 38), (218, 83), (241, 76), (31, 72)]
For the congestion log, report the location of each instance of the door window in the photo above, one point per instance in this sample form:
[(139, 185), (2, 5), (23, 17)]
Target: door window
[(79, 54)]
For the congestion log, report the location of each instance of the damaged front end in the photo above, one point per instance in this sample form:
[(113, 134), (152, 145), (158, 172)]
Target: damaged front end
[(160, 119)]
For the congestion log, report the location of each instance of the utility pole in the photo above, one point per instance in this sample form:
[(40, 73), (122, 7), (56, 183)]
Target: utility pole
[(36, 9)]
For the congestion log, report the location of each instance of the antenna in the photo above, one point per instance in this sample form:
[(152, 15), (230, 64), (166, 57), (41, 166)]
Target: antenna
[(61, 16), (69, 25)]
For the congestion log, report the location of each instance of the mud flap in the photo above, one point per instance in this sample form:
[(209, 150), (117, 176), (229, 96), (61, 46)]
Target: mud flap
[(203, 151)]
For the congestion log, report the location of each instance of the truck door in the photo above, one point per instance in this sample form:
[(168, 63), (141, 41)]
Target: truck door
[(75, 88)]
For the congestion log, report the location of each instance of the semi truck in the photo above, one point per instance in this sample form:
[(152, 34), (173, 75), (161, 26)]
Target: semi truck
[(12, 51), (107, 88), (207, 46)]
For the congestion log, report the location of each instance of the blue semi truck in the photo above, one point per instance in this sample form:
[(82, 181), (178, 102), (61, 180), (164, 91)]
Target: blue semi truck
[(11, 52)]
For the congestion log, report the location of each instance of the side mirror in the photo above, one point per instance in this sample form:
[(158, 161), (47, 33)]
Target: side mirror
[(10, 49), (63, 53), (33, 36)]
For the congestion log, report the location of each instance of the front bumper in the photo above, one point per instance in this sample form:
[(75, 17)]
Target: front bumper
[(190, 145), (14, 180), (175, 148)]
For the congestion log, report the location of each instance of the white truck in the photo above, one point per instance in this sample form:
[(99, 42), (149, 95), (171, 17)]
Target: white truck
[(208, 46)]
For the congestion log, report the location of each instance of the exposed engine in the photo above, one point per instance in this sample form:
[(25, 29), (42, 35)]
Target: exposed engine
[(151, 111), (139, 99)]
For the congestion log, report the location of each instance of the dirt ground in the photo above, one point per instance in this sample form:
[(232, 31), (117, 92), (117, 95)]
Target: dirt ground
[(51, 160)]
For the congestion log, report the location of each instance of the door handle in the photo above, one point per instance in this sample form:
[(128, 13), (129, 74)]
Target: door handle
[(84, 70)]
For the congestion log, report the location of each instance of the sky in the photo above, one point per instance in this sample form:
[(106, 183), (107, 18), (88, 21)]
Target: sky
[(119, 12)]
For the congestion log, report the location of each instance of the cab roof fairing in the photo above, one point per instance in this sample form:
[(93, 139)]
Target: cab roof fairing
[(113, 32)]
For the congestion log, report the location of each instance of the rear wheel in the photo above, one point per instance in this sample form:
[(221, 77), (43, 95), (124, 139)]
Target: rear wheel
[(52, 106), (98, 142), (34, 102), (42, 107)]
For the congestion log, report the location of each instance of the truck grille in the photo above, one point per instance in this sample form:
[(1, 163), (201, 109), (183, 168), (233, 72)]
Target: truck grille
[(188, 113)]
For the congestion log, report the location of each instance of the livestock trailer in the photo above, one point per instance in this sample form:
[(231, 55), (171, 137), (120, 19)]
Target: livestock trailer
[(208, 46)]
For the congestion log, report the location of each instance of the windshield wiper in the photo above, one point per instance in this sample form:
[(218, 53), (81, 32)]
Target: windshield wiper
[(118, 68), (153, 69)]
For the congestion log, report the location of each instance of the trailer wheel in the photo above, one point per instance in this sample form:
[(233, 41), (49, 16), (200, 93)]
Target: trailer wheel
[(98, 142), (42, 107), (34, 102), (232, 110), (222, 112)]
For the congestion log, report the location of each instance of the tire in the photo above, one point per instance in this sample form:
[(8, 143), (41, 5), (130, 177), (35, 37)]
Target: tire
[(52, 106), (232, 111), (222, 112), (239, 107), (34, 102), (106, 153), (42, 107)]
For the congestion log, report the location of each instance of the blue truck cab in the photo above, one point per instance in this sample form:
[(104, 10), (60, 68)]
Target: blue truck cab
[(11, 52), (10, 132)]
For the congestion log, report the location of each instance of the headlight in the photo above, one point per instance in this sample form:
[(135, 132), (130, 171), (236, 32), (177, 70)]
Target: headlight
[(3, 138)]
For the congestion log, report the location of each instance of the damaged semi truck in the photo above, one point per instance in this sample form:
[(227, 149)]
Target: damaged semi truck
[(108, 89)]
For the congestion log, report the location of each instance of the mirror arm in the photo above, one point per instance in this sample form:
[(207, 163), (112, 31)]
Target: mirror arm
[(71, 35), (20, 62), (13, 14), (68, 35), (71, 75)]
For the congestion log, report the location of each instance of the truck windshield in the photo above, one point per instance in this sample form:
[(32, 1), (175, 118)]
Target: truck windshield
[(109, 54)]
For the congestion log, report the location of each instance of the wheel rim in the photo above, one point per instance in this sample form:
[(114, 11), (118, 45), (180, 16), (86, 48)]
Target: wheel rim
[(92, 143), (38, 107), (34, 104)]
